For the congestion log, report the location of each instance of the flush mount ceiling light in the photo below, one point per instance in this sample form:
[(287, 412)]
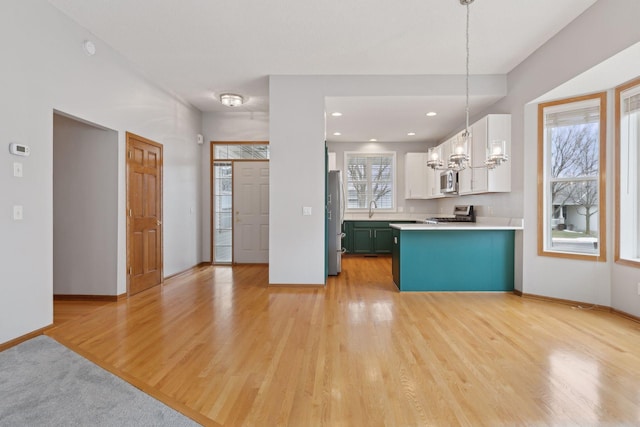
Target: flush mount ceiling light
[(337, 133), (336, 114), (431, 114), (231, 99)]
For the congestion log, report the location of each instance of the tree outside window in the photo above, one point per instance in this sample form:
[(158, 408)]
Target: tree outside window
[(370, 178), (571, 195)]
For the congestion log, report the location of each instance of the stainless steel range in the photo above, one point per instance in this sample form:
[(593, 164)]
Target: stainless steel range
[(461, 213)]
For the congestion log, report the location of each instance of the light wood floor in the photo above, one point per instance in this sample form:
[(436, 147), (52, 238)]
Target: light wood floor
[(225, 349)]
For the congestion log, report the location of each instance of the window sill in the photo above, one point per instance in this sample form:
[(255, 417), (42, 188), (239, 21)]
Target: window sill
[(629, 262)]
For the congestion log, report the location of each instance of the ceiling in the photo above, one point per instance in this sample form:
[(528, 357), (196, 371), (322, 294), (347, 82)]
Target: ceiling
[(197, 49)]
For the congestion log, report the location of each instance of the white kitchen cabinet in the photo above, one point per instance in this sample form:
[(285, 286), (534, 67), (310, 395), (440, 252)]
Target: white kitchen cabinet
[(490, 128), (331, 161), (433, 184), (415, 176)]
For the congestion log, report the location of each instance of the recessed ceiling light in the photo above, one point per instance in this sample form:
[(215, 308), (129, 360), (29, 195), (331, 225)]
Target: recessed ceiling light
[(336, 114), (373, 140), (411, 134), (431, 113), (337, 134)]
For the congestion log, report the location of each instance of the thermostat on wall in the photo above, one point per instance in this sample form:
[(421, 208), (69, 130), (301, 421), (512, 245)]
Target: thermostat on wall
[(19, 149)]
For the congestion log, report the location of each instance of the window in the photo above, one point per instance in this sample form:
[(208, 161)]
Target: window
[(370, 177), (627, 177), (571, 191)]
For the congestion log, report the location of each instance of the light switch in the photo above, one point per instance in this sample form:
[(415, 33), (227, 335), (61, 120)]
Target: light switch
[(17, 213), (17, 169), (306, 210)]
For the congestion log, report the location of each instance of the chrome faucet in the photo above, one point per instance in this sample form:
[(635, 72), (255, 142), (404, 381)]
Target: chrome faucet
[(372, 203)]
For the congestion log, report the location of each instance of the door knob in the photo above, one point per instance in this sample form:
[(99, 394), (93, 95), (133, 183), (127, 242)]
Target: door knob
[(158, 222)]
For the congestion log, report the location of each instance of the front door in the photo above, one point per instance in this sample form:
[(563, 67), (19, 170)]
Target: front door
[(144, 213), (251, 212)]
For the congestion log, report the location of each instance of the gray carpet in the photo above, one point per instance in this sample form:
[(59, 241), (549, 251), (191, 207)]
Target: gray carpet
[(43, 383)]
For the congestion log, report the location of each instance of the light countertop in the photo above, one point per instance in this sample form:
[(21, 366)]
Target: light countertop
[(482, 223)]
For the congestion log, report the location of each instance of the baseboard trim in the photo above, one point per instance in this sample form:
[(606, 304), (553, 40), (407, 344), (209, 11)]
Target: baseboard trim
[(572, 303), (24, 338), (517, 292), (625, 315), (566, 302), (187, 270), (108, 298)]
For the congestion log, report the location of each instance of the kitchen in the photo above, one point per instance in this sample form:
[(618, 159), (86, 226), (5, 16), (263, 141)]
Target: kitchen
[(420, 189)]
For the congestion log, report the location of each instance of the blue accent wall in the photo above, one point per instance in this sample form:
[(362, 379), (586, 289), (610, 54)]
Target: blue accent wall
[(456, 260)]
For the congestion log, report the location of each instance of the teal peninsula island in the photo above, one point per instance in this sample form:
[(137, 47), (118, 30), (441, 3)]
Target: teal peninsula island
[(454, 256)]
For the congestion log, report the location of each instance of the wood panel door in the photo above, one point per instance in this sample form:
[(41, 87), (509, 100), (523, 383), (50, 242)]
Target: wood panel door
[(144, 214), (251, 212)]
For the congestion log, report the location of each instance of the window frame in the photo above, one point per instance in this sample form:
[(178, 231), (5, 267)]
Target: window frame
[(543, 181), (617, 161), (394, 181)]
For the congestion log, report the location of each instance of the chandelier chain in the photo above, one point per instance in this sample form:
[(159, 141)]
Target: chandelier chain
[(467, 74)]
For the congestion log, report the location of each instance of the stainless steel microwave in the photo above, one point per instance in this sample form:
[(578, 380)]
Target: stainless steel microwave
[(449, 182)]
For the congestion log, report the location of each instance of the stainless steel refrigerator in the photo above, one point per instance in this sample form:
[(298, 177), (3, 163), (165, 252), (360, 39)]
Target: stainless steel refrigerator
[(335, 214)]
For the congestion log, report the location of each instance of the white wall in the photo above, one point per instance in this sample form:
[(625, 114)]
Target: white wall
[(44, 68), (85, 208), (297, 158), (232, 126), (549, 70)]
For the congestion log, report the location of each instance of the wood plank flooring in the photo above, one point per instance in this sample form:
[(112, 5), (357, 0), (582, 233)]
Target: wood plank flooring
[(221, 346)]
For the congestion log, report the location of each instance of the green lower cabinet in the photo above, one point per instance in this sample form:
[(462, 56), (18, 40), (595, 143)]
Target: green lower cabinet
[(362, 240), (382, 240), (368, 237), (395, 256)]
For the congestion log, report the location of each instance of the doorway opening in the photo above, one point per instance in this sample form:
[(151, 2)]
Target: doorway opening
[(224, 156), (85, 209)]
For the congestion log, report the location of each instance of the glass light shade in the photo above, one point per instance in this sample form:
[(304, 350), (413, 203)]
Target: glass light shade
[(231, 99), (433, 158), (497, 147), (496, 153), (459, 155)]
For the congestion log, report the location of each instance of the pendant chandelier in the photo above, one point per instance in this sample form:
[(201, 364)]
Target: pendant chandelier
[(459, 157)]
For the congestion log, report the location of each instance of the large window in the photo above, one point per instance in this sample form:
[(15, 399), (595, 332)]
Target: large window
[(627, 178), (571, 192), (370, 177)]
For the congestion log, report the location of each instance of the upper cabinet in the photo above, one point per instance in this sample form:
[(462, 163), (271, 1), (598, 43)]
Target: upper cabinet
[(415, 176), (494, 127), (422, 182)]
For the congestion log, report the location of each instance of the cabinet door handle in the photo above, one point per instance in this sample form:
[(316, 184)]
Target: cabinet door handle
[(375, 234), (369, 233)]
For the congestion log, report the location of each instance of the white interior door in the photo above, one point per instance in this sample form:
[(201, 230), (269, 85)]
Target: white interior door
[(251, 212)]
